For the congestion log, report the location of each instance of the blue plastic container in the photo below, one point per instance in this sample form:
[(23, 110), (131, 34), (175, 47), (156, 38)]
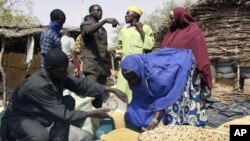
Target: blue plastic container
[(106, 125)]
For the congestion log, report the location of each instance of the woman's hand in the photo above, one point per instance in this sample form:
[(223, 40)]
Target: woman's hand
[(152, 124)]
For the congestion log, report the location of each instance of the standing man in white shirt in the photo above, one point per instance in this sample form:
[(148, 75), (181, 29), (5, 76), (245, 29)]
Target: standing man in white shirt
[(67, 44)]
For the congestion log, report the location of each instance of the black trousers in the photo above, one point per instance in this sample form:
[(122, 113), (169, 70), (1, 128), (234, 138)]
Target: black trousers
[(28, 129)]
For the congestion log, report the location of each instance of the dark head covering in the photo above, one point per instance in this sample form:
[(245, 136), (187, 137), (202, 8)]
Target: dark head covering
[(55, 58), (187, 34)]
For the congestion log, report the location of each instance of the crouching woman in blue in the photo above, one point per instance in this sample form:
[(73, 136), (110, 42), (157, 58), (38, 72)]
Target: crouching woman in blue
[(162, 89)]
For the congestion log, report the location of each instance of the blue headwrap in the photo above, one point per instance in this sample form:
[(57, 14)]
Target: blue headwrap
[(56, 26), (141, 94), (133, 63)]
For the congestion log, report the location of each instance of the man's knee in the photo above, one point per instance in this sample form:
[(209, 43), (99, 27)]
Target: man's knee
[(42, 136), (25, 129), (69, 101)]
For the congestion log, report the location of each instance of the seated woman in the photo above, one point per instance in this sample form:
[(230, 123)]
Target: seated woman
[(162, 88)]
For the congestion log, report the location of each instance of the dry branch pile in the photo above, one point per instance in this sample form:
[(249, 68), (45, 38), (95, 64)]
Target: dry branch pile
[(226, 28)]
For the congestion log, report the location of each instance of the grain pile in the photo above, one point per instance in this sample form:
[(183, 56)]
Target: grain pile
[(183, 133), (121, 134), (240, 121)]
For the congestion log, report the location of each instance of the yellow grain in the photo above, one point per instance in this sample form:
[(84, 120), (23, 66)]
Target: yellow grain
[(121, 134), (183, 133), (118, 118), (240, 121)]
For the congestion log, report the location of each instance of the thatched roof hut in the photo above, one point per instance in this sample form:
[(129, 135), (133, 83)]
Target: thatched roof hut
[(21, 31), (14, 41)]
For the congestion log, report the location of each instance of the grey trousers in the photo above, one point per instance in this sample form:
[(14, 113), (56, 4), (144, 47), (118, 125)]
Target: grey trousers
[(27, 129)]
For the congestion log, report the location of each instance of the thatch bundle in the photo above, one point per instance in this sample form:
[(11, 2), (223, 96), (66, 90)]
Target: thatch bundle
[(226, 28), (21, 31)]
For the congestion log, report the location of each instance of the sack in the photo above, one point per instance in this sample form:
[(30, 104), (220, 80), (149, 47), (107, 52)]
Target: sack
[(77, 134), (85, 133)]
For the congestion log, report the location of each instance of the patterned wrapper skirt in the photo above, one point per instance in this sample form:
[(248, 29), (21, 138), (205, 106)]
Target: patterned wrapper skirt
[(190, 108)]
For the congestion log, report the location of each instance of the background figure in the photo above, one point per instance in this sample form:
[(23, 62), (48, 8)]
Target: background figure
[(95, 54), (67, 44), (50, 37), (136, 38), (77, 51), (184, 32)]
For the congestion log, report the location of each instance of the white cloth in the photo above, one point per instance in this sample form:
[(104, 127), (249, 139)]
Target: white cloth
[(67, 44), (30, 50)]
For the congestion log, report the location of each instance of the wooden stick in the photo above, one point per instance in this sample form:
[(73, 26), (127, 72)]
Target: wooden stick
[(237, 86), (3, 73)]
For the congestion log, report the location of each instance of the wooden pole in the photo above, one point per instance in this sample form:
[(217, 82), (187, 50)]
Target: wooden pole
[(3, 73), (82, 8), (238, 76)]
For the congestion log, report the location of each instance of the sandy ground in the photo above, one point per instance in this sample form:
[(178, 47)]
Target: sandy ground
[(224, 91)]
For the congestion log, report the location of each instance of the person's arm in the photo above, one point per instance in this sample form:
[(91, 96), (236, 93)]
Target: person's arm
[(149, 40), (46, 43), (139, 28), (121, 95), (118, 50), (45, 97), (154, 122), (75, 58), (76, 50), (200, 53), (91, 28), (206, 76), (83, 87)]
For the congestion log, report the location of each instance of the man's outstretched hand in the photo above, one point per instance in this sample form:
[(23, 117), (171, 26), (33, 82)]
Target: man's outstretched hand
[(98, 113), (112, 21), (121, 95)]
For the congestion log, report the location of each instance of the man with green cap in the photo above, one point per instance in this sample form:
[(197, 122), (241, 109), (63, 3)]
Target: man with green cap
[(38, 103), (134, 39)]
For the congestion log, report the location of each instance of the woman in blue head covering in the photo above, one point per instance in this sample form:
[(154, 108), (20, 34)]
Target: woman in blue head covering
[(161, 89), (137, 115)]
